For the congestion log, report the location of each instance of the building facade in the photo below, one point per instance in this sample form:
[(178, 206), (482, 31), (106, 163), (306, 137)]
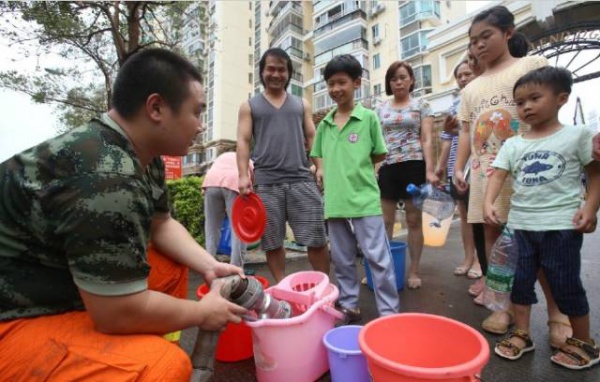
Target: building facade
[(236, 33)]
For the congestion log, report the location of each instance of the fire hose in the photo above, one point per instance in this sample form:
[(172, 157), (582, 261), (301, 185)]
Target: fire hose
[(248, 293)]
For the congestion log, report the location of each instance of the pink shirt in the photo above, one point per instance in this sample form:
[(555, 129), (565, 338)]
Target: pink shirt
[(224, 172)]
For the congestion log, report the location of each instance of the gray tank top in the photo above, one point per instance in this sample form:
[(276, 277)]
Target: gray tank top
[(279, 154)]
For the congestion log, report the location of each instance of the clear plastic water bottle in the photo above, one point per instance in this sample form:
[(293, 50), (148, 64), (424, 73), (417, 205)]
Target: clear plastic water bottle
[(432, 200), (501, 272)]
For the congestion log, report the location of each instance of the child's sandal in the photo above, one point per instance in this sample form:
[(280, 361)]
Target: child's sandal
[(592, 351), (517, 352)]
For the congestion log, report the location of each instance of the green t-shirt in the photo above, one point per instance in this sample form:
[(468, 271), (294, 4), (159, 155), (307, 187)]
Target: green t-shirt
[(349, 181), (75, 212), (546, 176)]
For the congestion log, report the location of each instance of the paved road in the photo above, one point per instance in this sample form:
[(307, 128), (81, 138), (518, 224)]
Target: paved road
[(445, 294)]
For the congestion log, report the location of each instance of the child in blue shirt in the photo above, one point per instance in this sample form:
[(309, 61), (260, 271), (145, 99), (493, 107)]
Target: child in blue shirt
[(546, 212)]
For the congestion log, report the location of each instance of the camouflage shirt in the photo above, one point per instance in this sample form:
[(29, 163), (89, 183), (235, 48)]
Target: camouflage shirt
[(75, 211)]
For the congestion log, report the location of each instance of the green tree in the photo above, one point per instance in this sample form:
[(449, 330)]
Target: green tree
[(92, 38), (187, 205)]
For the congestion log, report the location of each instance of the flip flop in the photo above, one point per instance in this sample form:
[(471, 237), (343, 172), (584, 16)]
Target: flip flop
[(414, 282), (460, 271), (474, 273), (493, 325)]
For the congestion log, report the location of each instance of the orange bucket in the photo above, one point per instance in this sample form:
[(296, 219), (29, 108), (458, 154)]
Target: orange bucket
[(419, 347), (235, 342)]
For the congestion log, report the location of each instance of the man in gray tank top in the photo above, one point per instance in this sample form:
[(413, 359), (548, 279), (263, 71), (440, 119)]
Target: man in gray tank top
[(283, 131)]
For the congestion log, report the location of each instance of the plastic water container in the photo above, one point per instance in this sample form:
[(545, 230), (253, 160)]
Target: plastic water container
[(501, 272), (416, 347), (432, 200), (435, 232), (235, 342), (399, 259), (292, 349), (346, 361)]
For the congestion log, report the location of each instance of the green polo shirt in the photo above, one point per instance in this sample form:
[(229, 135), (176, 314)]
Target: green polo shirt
[(351, 188)]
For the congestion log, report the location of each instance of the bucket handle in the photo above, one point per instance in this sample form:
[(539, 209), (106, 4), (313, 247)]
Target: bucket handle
[(332, 311)]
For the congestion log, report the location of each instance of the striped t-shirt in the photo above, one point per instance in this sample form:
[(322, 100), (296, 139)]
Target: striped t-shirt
[(445, 136)]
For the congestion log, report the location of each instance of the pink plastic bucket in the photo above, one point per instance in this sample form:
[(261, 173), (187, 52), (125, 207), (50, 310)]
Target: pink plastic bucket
[(292, 349), (422, 347)]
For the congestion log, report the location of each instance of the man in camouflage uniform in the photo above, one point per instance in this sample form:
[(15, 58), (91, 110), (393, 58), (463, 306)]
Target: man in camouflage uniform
[(76, 215)]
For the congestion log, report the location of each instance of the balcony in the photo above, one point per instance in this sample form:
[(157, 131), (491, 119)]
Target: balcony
[(412, 11), (337, 21), (344, 49), (414, 44), (284, 27), (283, 7), (294, 52)]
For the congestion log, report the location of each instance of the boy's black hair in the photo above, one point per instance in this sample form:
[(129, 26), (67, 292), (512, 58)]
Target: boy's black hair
[(559, 79), (500, 17), (279, 53), (150, 71), (463, 62), (344, 63)]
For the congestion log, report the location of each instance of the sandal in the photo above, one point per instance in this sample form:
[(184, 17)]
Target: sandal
[(517, 352), (414, 282), (461, 270), (557, 340), (494, 325), (589, 356)]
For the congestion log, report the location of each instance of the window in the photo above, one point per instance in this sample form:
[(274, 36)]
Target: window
[(377, 89), (422, 76), (250, 60), (296, 90), (375, 31), (250, 5), (250, 78), (376, 61), (250, 23), (249, 41), (415, 43)]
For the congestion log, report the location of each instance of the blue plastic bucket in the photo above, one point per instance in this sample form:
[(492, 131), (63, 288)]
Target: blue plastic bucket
[(399, 258), (346, 361), (224, 247)]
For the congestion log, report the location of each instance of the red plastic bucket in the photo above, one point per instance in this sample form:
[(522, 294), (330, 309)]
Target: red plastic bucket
[(235, 342), (419, 347)]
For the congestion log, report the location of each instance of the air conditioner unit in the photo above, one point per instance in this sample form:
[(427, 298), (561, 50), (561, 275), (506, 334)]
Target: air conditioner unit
[(306, 57), (377, 9), (377, 40)]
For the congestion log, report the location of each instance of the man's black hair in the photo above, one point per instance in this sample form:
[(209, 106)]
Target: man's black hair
[(152, 71), (559, 79), (344, 63), (278, 53)]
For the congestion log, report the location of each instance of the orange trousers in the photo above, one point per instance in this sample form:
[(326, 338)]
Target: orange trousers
[(66, 347)]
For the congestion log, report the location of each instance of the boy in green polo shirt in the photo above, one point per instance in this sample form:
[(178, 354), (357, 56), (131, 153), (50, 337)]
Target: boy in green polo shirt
[(347, 146)]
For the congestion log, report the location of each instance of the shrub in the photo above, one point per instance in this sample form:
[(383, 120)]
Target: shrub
[(187, 205)]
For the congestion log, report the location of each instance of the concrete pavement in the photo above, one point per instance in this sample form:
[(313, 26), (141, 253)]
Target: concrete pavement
[(444, 294)]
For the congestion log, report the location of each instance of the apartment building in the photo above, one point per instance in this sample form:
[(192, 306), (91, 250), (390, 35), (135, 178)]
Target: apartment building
[(219, 36), (312, 32)]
